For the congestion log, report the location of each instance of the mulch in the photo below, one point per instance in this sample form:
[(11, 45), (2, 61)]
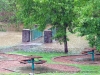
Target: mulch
[(78, 59)]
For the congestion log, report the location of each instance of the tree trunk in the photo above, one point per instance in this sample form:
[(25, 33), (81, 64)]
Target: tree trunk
[(65, 42), (65, 45)]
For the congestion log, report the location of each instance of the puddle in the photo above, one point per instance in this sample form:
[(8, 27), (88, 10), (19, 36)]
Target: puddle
[(2, 58), (37, 70)]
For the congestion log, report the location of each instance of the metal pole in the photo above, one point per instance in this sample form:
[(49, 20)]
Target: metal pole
[(33, 64), (92, 55)]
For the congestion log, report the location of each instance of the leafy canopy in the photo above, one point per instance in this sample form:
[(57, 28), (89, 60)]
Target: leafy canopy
[(89, 22)]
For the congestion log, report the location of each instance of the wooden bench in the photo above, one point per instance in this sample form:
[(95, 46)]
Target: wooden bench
[(89, 51)]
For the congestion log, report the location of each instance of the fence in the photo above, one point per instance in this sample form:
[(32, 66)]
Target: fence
[(35, 33)]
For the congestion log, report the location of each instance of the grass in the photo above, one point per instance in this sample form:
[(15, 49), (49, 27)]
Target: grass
[(46, 55), (85, 69)]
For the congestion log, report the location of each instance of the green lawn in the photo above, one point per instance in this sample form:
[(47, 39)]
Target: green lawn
[(85, 69), (46, 55)]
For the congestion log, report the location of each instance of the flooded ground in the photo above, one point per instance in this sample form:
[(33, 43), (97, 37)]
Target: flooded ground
[(75, 44), (8, 39)]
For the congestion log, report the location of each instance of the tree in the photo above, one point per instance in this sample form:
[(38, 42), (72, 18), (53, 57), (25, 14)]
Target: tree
[(89, 22), (58, 13), (7, 10), (24, 12)]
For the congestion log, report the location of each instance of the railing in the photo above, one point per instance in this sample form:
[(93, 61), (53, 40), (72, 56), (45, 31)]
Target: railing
[(36, 34)]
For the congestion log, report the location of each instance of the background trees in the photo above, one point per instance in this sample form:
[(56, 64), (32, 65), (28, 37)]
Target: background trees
[(89, 22), (24, 12), (7, 10)]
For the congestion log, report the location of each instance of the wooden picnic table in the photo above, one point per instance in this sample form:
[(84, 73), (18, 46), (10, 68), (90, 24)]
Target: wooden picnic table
[(89, 51), (31, 59)]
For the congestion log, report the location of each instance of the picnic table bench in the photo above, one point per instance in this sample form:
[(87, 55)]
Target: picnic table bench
[(89, 51), (30, 59)]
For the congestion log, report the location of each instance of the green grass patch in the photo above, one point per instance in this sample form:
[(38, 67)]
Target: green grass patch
[(48, 56), (87, 69), (69, 74), (56, 74)]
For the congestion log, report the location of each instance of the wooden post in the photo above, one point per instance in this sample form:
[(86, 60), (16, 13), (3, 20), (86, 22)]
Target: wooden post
[(26, 35), (92, 55), (48, 36)]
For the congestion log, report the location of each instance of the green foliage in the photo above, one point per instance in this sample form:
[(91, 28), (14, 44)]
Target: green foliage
[(91, 39), (7, 10), (89, 21), (57, 13), (24, 12), (4, 6), (46, 55)]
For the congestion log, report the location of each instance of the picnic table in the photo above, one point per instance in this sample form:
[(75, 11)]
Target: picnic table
[(31, 59), (89, 51)]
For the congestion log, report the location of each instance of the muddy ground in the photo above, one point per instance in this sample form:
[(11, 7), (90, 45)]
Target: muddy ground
[(10, 38), (75, 45)]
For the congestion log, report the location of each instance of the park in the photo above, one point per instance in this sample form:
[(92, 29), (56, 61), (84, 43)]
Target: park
[(42, 37)]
